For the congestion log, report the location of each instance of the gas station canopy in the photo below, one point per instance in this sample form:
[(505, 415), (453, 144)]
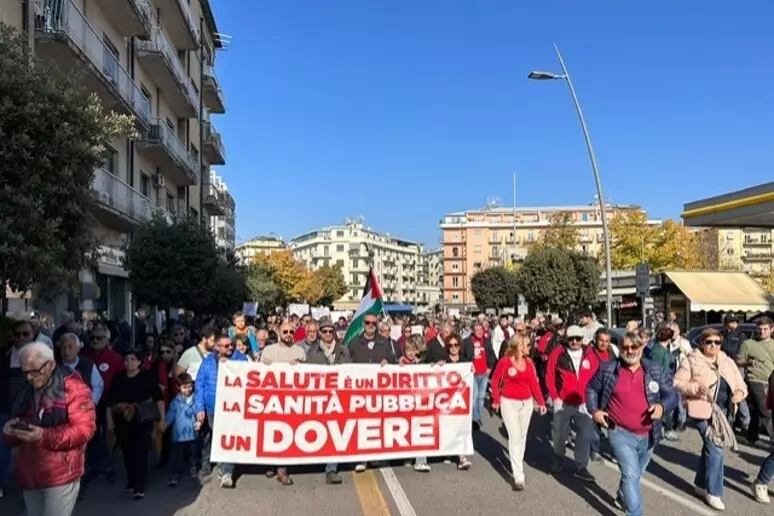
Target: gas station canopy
[(751, 207)]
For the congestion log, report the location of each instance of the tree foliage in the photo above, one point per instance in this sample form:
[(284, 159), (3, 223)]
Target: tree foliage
[(173, 265), (53, 136), (333, 284), (262, 288), (495, 287), (768, 283), (287, 272), (229, 290), (553, 278), (670, 245), (560, 232)]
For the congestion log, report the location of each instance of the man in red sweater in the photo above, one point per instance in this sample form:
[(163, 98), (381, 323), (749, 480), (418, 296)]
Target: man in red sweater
[(569, 370)]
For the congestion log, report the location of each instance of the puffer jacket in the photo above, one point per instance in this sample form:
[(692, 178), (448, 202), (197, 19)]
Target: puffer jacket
[(696, 371), (207, 382), (59, 458), (563, 381)]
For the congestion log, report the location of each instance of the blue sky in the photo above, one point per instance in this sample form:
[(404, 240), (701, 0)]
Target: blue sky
[(403, 110)]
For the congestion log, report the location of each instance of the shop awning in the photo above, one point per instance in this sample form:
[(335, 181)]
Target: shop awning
[(398, 308), (618, 291), (722, 291)]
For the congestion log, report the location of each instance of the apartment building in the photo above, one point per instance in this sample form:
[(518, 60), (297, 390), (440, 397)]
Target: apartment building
[(262, 245), (481, 238), (153, 60), (355, 247), (740, 249), (223, 219), (430, 278)]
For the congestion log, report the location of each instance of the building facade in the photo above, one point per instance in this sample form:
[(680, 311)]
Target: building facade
[(153, 60), (355, 248), (262, 245), (430, 278), (476, 239), (748, 249), (222, 222)]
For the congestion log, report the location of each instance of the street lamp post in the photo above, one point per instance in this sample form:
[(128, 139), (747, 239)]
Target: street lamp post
[(565, 75)]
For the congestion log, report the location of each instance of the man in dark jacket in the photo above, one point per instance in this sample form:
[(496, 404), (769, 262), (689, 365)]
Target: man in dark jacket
[(478, 349), (327, 351), (629, 396), (369, 347)]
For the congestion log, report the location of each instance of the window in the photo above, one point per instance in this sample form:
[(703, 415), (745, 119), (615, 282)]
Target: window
[(340, 248), (477, 249), (170, 203), (194, 213), (339, 234), (455, 267), (145, 184), (455, 252), (495, 237), (477, 233), (455, 297), (354, 263), (194, 152), (110, 59), (455, 281), (585, 217), (531, 236), (111, 161), (476, 265), (147, 95), (340, 263), (326, 250)]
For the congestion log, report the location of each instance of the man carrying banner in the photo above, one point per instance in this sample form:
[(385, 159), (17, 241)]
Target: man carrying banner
[(327, 352), (204, 401), (286, 351)]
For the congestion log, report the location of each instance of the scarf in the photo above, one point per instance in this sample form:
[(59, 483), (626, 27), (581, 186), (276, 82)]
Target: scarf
[(52, 408)]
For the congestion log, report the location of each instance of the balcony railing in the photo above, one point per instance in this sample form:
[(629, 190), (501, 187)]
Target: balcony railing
[(161, 133), (116, 194), (212, 137), (211, 81), (159, 43), (63, 18)]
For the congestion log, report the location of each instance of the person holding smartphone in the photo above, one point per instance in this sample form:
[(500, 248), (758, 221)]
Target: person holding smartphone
[(52, 420), (628, 396)]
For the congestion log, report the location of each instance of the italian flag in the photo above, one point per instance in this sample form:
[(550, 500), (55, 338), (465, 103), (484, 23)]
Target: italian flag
[(370, 304)]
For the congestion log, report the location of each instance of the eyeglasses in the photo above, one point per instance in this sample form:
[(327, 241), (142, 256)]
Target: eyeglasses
[(454, 344), (287, 332), (34, 373), (370, 323), (629, 349), (574, 338), (226, 344), (327, 331), (712, 342)]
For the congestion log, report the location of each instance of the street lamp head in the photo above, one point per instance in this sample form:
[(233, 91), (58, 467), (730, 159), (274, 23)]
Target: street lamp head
[(544, 76)]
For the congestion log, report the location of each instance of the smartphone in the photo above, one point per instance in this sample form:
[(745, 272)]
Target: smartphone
[(610, 423), (20, 425)]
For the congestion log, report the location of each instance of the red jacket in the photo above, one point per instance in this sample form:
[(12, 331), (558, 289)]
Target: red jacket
[(109, 364), (563, 381), (58, 458)]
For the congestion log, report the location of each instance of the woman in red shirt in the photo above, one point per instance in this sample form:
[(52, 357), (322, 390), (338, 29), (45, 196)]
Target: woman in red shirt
[(515, 389)]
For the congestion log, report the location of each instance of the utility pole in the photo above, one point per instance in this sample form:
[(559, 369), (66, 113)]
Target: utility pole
[(201, 124)]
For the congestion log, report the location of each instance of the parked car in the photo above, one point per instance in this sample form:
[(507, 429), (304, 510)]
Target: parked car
[(749, 330)]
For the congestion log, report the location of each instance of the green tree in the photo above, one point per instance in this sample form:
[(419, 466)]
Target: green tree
[(586, 273), (52, 138), (230, 289), (173, 265), (495, 287), (546, 278), (332, 280), (262, 286), (560, 232)]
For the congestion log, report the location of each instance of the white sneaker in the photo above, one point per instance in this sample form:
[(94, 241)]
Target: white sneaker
[(359, 468), (761, 493), (226, 481), (422, 467), (715, 502)]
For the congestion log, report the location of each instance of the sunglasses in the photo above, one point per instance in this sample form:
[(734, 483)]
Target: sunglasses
[(454, 344), (287, 332), (629, 349), (326, 331), (574, 338), (712, 342), (370, 323)]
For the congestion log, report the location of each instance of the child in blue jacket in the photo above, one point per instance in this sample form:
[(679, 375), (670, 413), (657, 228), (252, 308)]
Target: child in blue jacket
[(181, 416)]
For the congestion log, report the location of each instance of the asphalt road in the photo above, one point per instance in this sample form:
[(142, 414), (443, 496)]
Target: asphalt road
[(400, 491)]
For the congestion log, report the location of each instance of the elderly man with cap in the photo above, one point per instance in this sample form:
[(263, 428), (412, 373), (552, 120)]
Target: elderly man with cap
[(327, 351), (570, 368)]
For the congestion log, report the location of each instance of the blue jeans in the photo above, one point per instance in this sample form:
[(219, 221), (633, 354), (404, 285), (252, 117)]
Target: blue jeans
[(225, 469), (709, 474), (596, 438), (480, 384), (331, 468), (5, 454), (766, 472), (633, 453)]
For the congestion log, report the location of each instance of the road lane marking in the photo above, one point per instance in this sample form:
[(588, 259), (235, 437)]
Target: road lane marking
[(685, 502), (398, 494), (370, 496)]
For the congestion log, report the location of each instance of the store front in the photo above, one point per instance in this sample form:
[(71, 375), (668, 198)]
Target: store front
[(751, 207), (112, 300)]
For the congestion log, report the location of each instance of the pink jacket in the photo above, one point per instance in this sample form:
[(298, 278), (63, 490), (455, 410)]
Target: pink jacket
[(696, 370)]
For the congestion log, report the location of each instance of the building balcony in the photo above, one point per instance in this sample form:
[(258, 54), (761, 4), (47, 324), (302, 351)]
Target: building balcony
[(129, 17), (160, 60), (214, 100), (119, 206), (757, 257), (213, 149), (179, 23), (757, 241), (162, 146), (214, 201), (65, 37)]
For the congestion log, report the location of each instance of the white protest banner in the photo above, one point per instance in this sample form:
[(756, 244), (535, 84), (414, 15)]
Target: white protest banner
[(286, 414), (396, 331), (299, 309)]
